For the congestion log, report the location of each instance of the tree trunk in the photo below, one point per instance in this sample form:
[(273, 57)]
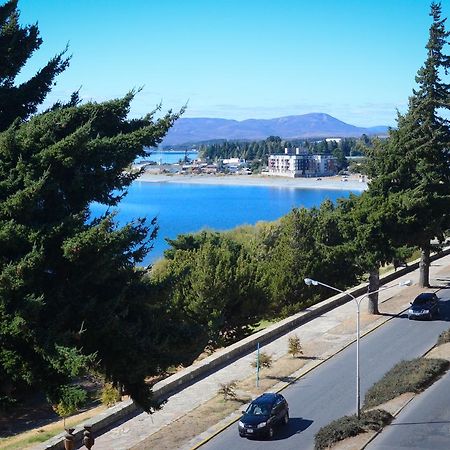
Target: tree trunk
[(374, 285), (424, 267)]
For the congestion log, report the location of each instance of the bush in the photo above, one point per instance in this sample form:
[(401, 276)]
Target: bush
[(295, 346), (110, 395), (70, 400), (349, 426), (443, 338), (265, 361), (406, 376), (228, 390)]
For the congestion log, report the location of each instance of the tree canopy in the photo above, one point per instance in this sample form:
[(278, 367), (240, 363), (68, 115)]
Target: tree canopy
[(17, 45), (71, 297), (69, 288), (410, 171), (212, 278)]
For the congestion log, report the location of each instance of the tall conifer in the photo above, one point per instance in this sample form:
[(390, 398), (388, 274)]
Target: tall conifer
[(17, 45), (411, 170), (70, 294)]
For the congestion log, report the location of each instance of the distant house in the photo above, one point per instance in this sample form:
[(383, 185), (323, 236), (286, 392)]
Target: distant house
[(210, 169), (233, 165), (233, 161), (301, 164)]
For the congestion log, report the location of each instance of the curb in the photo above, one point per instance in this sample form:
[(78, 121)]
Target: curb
[(401, 408), (370, 330), (376, 433), (319, 363), (177, 382)]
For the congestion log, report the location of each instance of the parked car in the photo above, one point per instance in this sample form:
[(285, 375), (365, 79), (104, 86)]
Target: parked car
[(263, 414), (424, 306)]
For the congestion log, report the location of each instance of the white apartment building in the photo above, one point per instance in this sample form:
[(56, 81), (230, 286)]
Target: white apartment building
[(301, 164)]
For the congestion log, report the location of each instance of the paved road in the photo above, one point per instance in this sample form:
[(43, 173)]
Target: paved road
[(328, 392), (424, 424)]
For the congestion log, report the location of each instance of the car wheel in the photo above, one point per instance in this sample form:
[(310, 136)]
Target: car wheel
[(270, 432), (286, 419)]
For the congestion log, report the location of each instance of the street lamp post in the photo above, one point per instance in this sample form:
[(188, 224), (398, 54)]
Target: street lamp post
[(310, 282)]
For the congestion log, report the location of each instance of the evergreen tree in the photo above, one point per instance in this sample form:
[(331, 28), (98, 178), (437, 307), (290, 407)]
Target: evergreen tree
[(368, 230), (309, 244), (213, 280), (411, 170), (71, 296), (69, 289), (17, 44)]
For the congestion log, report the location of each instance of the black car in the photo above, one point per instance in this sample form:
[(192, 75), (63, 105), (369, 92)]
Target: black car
[(424, 306), (262, 415)]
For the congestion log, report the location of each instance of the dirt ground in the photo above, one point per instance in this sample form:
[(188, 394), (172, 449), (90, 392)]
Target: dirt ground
[(35, 420), (181, 431), (30, 438)]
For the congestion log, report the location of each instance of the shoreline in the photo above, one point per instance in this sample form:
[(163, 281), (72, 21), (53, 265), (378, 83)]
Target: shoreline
[(333, 183)]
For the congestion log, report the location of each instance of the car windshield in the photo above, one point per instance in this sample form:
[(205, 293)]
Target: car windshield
[(421, 300), (258, 409)]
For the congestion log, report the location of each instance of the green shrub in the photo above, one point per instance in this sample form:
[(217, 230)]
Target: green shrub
[(265, 361), (70, 400), (349, 426), (443, 338), (406, 376), (295, 346), (110, 395)]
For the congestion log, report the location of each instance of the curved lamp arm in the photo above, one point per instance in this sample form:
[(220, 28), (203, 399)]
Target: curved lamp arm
[(311, 282)]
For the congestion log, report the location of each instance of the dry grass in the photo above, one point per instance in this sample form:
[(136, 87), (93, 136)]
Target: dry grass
[(191, 425), (213, 411), (407, 376), (443, 338), (349, 426), (30, 438)]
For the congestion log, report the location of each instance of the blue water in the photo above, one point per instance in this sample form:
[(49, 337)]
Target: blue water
[(185, 208), (173, 157)]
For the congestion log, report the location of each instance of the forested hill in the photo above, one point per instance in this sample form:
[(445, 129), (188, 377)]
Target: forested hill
[(189, 130)]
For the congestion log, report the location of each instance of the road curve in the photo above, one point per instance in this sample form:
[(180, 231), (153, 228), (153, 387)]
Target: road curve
[(328, 392), (424, 423)]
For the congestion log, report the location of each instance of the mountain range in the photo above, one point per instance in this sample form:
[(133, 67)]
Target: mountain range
[(313, 125)]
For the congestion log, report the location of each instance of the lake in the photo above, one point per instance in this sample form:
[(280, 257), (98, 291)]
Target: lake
[(165, 157), (185, 208)]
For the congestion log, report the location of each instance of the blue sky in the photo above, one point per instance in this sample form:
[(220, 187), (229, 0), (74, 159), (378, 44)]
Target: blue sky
[(239, 59)]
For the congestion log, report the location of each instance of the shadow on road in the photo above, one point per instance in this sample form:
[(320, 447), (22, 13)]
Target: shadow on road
[(398, 316), (296, 425), (285, 379), (420, 423)]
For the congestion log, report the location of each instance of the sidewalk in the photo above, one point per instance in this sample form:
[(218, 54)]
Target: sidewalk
[(322, 337)]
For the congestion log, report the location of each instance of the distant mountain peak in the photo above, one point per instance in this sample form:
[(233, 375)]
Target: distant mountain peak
[(318, 124)]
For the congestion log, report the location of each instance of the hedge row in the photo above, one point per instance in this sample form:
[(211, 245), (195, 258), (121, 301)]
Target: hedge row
[(406, 376), (349, 426)]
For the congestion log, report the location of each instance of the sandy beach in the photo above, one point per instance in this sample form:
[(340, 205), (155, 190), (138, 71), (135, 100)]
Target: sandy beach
[(334, 183)]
